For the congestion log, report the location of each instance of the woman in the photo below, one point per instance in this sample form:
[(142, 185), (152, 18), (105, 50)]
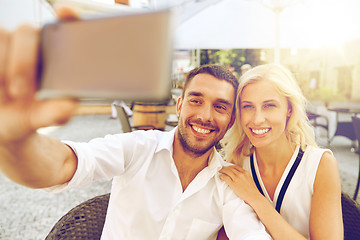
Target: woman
[(292, 185)]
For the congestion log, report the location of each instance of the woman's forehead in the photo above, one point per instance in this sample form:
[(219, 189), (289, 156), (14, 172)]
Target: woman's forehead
[(261, 90)]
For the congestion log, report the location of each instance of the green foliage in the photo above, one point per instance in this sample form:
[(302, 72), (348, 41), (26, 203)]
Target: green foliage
[(325, 94), (51, 2), (236, 57)]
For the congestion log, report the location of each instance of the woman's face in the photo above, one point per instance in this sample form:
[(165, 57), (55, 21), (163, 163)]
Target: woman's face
[(263, 114)]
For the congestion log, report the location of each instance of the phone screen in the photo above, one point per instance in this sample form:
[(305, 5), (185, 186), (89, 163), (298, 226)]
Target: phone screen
[(118, 57)]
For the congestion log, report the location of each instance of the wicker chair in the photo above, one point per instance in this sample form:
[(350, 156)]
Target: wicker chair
[(356, 125), (351, 217), (84, 221)]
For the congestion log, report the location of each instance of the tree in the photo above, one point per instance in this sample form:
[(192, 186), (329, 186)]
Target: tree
[(236, 57)]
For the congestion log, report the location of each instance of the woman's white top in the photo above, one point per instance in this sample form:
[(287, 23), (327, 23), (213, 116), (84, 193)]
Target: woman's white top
[(296, 205)]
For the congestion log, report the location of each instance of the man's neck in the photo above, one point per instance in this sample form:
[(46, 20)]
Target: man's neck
[(188, 165)]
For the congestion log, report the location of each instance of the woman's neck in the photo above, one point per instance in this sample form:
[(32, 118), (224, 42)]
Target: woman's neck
[(277, 155), (272, 162)]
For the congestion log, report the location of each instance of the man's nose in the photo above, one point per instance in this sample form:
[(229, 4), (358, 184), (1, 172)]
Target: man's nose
[(206, 113)]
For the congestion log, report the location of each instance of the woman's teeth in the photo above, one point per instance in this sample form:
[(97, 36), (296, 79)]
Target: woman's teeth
[(201, 130), (260, 131)]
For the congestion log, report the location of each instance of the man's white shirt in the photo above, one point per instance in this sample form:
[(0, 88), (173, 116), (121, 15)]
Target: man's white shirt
[(147, 200)]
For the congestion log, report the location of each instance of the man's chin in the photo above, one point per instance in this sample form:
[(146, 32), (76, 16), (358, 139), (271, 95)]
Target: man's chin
[(195, 146), (199, 150)]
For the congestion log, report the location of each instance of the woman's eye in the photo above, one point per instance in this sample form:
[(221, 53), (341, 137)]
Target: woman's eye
[(246, 106), (270, 105)]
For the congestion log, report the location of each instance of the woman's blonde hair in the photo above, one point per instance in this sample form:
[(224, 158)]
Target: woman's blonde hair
[(236, 145)]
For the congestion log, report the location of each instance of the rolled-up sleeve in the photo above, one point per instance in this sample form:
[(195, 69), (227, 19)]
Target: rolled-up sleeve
[(100, 159), (241, 222)]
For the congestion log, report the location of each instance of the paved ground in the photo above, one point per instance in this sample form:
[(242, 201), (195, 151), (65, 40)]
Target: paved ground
[(27, 214), (30, 214)]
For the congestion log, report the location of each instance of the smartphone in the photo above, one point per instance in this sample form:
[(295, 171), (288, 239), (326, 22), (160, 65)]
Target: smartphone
[(125, 57)]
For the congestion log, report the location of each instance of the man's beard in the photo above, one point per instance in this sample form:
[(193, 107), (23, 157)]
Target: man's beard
[(194, 149)]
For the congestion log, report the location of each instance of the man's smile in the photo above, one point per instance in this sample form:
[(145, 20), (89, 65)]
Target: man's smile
[(201, 130)]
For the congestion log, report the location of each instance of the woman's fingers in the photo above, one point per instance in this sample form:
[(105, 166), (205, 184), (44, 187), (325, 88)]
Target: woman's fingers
[(240, 181), (21, 63), (232, 171), (226, 178), (236, 174)]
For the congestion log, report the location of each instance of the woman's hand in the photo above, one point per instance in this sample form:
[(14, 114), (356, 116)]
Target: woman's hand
[(241, 182)]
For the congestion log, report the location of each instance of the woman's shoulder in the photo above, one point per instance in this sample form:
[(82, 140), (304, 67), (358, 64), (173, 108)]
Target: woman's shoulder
[(317, 152), (316, 157)]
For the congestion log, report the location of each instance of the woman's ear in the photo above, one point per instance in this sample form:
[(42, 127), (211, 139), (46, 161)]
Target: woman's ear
[(289, 113)]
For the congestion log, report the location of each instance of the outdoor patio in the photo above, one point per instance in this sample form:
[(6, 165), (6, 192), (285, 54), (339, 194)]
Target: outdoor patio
[(30, 214)]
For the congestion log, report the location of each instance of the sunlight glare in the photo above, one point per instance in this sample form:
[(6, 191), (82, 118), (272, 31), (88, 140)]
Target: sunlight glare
[(331, 23)]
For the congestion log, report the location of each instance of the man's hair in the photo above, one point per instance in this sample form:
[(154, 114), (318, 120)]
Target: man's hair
[(215, 70)]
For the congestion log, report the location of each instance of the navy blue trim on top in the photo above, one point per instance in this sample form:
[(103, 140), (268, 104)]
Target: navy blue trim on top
[(286, 182), (253, 172)]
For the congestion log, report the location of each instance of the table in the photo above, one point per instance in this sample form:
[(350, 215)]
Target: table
[(346, 128)]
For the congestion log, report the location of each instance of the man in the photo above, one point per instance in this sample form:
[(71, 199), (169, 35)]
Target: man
[(165, 184)]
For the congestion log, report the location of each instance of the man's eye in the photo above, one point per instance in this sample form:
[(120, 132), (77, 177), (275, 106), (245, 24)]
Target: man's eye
[(220, 107), (194, 101)]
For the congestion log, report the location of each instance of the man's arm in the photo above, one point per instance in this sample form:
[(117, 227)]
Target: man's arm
[(240, 220), (25, 156), (38, 161)]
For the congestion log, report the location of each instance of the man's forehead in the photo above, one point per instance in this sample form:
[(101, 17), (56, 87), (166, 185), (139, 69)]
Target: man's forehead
[(204, 83), (208, 79)]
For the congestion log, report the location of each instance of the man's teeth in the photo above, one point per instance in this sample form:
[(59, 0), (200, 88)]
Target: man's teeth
[(260, 131), (201, 130)]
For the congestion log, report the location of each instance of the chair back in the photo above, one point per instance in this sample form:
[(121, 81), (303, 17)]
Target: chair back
[(124, 118), (356, 124), (324, 122), (84, 221), (351, 217)]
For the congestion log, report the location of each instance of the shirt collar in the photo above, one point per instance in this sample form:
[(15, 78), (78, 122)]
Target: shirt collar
[(167, 141), (215, 163)]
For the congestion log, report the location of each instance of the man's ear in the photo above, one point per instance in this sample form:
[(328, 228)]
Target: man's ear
[(178, 106)]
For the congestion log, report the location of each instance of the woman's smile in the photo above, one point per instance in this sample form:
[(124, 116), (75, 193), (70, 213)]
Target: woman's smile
[(260, 131)]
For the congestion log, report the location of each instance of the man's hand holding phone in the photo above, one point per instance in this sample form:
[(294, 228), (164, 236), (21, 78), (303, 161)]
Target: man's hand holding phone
[(21, 114), (126, 56)]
